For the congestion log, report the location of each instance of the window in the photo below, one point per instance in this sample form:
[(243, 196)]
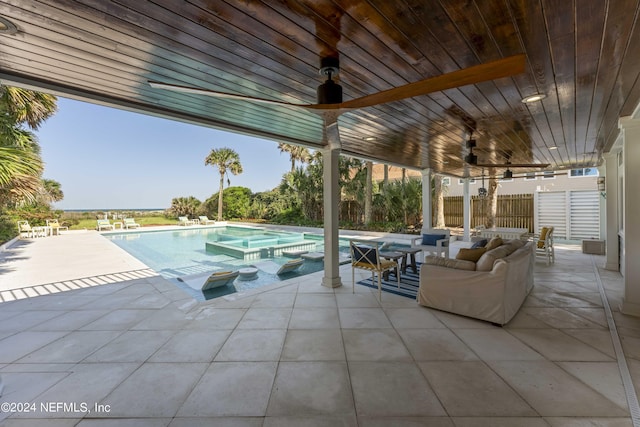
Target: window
[(471, 181), (548, 175), (446, 181), (530, 176), (583, 172)]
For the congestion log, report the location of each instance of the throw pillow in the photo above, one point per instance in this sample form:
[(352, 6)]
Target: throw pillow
[(543, 236), (494, 243), (432, 239), (479, 244), (469, 254)]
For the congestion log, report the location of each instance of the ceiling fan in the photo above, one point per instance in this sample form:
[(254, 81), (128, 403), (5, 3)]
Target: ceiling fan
[(329, 95), (472, 160), (330, 105)]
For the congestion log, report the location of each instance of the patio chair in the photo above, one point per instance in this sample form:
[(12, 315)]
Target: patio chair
[(365, 255), (290, 266), (104, 223), (183, 220), (544, 244), (55, 226), (434, 241), (130, 223), (205, 220)]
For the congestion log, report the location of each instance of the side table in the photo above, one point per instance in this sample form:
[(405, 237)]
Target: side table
[(393, 256)]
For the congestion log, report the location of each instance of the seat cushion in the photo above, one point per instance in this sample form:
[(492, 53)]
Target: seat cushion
[(469, 254), (432, 239)]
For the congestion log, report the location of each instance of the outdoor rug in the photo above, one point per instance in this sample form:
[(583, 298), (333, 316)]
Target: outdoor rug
[(409, 283)]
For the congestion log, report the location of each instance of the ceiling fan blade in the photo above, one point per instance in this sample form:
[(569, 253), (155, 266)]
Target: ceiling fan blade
[(512, 165), (208, 92), (476, 74)]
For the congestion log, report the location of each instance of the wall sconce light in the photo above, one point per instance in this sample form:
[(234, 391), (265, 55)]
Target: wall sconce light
[(601, 185)]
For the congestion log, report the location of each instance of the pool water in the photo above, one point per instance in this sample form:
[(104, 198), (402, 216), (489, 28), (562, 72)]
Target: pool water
[(182, 253)]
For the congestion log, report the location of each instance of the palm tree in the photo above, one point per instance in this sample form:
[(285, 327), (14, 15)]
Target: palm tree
[(20, 162), (368, 194), (296, 153), (226, 160)]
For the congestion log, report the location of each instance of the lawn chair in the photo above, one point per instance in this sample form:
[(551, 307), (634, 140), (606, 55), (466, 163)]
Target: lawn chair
[(365, 255), (205, 220), (104, 223), (130, 223), (27, 231), (183, 220), (55, 226)]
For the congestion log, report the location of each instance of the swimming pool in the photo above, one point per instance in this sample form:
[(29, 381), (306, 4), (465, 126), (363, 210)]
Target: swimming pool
[(181, 253)]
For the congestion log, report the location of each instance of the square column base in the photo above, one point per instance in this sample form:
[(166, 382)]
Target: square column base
[(331, 282)]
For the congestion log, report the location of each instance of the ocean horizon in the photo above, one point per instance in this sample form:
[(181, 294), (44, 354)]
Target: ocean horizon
[(114, 209)]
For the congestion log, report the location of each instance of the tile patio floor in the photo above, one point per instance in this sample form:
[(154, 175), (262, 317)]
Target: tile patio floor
[(299, 354)]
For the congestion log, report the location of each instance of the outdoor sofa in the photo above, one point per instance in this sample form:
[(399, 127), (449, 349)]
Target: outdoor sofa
[(491, 289)]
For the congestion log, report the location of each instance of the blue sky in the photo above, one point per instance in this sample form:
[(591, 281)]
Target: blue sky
[(107, 158)]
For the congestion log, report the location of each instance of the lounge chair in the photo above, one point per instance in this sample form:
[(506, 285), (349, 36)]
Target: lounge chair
[(205, 220), (208, 281), (290, 266), (28, 231), (55, 226), (183, 220), (130, 223), (104, 223)]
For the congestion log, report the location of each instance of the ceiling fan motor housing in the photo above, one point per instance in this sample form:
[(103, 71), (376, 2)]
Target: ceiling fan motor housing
[(471, 159), (329, 93)]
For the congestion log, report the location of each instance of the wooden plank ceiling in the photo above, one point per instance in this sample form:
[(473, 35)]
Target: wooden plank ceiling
[(583, 55)]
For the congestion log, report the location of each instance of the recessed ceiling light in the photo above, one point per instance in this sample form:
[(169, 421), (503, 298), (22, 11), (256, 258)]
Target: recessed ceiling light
[(369, 138), (534, 98), (7, 27), (553, 147)]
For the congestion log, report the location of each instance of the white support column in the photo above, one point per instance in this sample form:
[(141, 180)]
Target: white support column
[(427, 217), (630, 232), (611, 214), (466, 213), (331, 195)]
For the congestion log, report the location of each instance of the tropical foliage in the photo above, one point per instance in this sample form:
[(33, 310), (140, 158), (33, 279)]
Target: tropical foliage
[(226, 160), (297, 153), (184, 206), (24, 194)]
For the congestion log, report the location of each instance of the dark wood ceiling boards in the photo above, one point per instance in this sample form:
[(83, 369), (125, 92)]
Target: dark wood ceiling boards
[(583, 55)]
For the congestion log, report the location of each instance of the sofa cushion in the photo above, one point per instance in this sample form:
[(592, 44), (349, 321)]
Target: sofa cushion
[(450, 263), (494, 243), (485, 263), (515, 243), (469, 254), (479, 244), (432, 239)]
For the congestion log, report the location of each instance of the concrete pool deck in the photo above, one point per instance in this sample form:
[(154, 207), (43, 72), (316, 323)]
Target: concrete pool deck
[(140, 352)]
